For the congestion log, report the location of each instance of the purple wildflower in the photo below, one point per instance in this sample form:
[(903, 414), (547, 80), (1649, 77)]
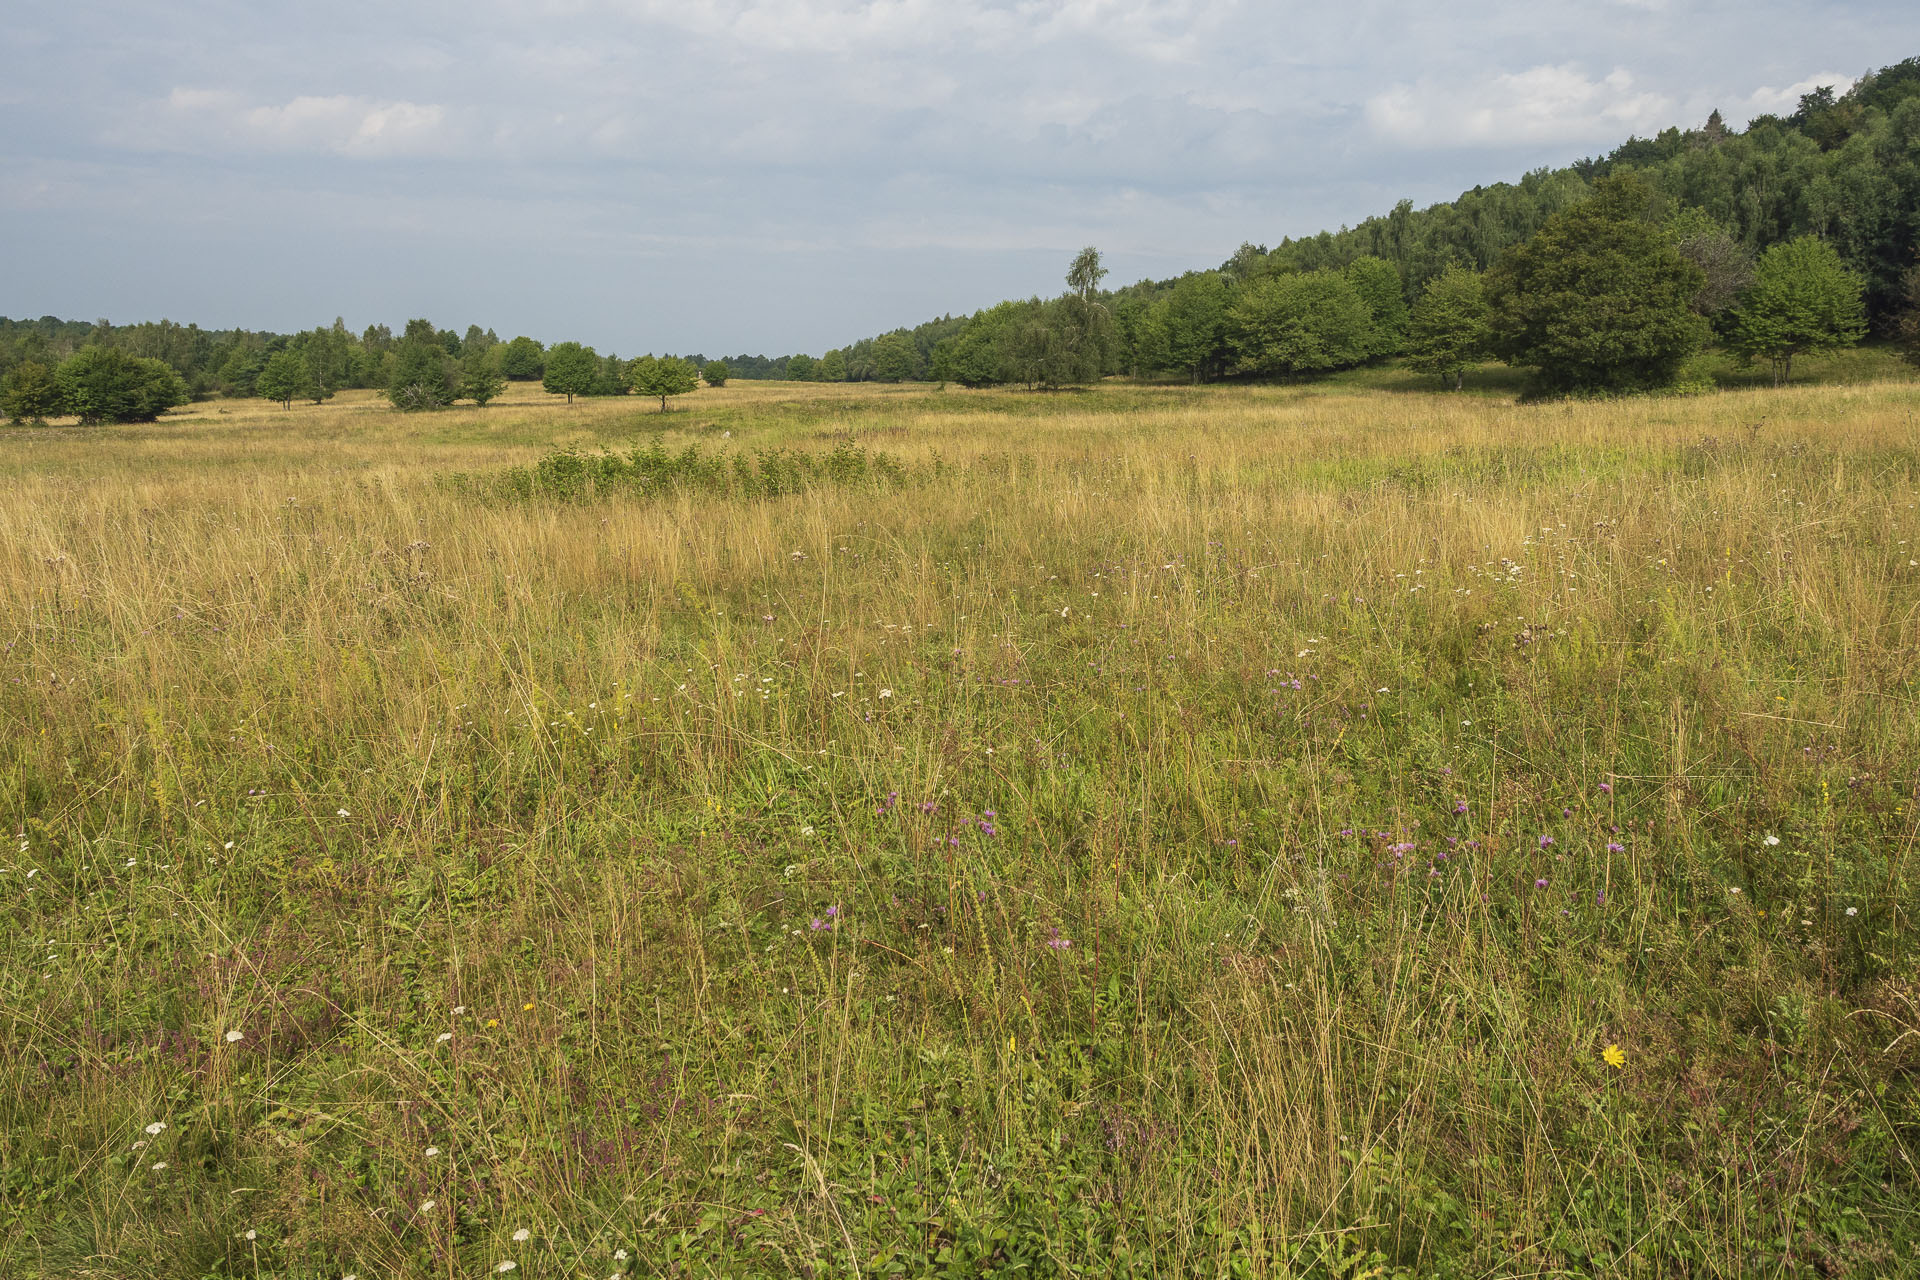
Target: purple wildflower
[(1606, 788), (1541, 883), (1546, 841), (1615, 847), (1460, 806)]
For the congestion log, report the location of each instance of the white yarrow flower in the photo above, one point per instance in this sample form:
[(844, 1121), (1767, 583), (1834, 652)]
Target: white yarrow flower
[(522, 1234), (1772, 839), (156, 1128), (505, 1267), (443, 1037), (432, 1151), (235, 1037)]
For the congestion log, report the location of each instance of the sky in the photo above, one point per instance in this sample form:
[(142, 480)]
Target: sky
[(790, 175)]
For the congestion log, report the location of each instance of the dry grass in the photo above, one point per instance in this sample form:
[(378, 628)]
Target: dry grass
[(569, 783)]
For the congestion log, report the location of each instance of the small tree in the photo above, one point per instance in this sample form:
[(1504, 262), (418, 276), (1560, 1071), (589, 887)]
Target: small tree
[(423, 376), (29, 393), (524, 360), (1803, 300), (663, 376), (1447, 330), (1305, 323), (832, 366), (1190, 322), (895, 358), (482, 379), (285, 377), (105, 384), (716, 373), (1378, 283), (571, 370), (802, 368)]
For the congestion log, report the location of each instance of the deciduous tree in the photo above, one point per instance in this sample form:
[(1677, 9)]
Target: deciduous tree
[(570, 370), (285, 378), (662, 376), (1447, 330), (29, 393), (105, 384), (1802, 300), (1303, 323)]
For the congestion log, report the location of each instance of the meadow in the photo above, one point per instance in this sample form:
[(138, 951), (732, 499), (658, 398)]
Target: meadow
[(1330, 831)]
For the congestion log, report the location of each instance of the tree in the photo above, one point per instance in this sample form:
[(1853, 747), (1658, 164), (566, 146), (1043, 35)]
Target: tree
[(1378, 283), (1906, 329), (29, 394), (423, 376), (105, 384), (716, 373), (1085, 323), (894, 358), (1597, 299), (801, 368), (1802, 300), (832, 366), (1726, 263), (570, 370), (285, 377), (481, 379), (1305, 323), (663, 376), (1447, 330), (524, 361), (1191, 321)]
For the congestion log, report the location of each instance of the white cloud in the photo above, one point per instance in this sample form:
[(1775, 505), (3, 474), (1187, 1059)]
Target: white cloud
[(341, 124), (1766, 100), (1541, 104)]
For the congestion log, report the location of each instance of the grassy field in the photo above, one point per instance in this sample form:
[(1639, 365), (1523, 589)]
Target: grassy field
[(1335, 831)]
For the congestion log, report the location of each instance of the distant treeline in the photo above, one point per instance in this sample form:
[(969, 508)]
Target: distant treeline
[(1843, 167)]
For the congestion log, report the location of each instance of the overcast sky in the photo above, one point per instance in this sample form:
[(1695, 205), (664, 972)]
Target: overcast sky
[(782, 175)]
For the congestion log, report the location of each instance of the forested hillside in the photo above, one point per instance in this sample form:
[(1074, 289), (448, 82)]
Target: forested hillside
[(1844, 167)]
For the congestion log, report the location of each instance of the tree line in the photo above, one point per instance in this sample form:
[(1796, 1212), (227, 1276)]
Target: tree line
[(1842, 171)]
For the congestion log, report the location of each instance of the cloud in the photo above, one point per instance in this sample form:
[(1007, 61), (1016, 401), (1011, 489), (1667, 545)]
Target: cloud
[(1558, 103), (339, 124), (1764, 101)]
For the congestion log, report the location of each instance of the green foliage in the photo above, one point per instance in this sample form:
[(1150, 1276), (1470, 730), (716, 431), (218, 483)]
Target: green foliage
[(567, 475), (285, 378), (1378, 283), (1907, 325), (524, 360), (1305, 323), (716, 373), (802, 368), (570, 370), (832, 366), (28, 393), (423, 376), (105, 384), (662, 376), (894, 358), (1447, 330), (482, 378), (1598, 300), (1802, 299), (1191, 324)]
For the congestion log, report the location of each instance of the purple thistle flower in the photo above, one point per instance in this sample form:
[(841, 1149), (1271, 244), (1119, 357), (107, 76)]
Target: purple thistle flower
[(1615, 847), (1460, 806), (1606, 788), (1546, 841), (1600, 898), (1541, 883)]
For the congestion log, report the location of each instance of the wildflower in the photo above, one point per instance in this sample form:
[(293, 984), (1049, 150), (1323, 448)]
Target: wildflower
[(1546, 842), (426, 1206), (493, 1022), (459, 1009), (342, 813), (432, 1152), (1059, 943), (1615, 1057), (252, 1234), (619, 1255), (156, 1128), (158, 1165), (235, 1037), (1606, 788), (505, 1267), (443, 1037), (1771, 840), (527, 1007), (1615, 847), (1853, 911), (886, 693), (1459, 806), (1541, 883), (521, 1234)]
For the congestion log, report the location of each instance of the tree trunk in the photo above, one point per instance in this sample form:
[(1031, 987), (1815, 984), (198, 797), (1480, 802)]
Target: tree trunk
[(1459, 379)]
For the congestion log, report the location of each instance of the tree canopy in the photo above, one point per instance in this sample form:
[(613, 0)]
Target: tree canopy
[(1802, 299), (662, 376), (570, 370)]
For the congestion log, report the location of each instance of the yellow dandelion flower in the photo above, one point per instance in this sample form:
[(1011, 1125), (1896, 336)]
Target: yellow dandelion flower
[(493, 1022), (1614, 1056), (527, 1007)]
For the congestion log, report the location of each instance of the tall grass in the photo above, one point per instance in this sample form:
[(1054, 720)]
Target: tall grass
[(1181, 832)]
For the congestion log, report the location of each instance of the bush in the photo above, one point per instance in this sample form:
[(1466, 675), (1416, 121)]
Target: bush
[(105, 384)]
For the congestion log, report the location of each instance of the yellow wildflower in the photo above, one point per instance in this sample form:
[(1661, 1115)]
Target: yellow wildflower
[(1615, 1057)]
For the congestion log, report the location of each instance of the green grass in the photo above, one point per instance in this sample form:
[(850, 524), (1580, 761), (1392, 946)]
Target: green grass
[(1146, 831)]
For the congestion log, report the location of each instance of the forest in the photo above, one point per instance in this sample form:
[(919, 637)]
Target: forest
[(1824, 202)]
